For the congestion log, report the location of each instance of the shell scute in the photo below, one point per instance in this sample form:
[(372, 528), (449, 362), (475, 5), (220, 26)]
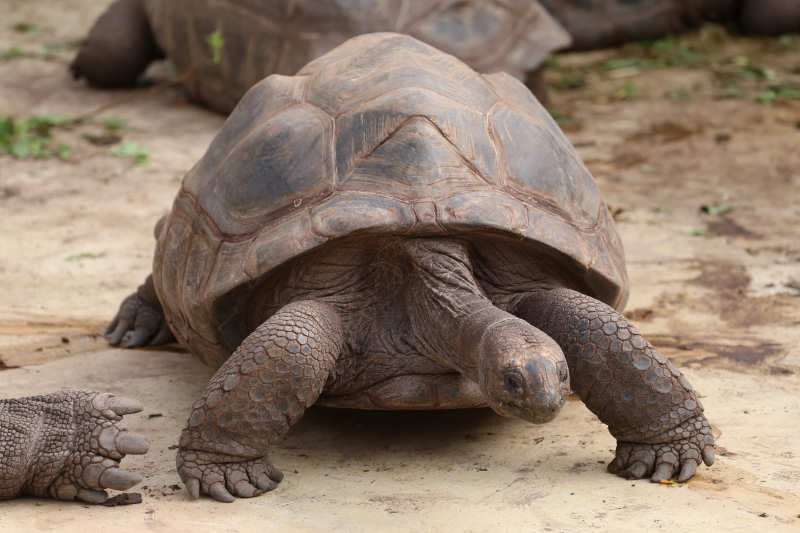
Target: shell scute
[(489, 209), (280, 164), (349, 212), (368, 66), (362, 131), (541, 164), (264, 100), (271, 248)]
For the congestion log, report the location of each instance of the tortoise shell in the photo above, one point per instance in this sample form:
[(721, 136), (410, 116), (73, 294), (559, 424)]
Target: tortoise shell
[(280, 36), (384, 134)]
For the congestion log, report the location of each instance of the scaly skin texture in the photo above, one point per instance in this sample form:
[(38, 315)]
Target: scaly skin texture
[(66, 445), (649, 406), (142, 314), (254, 398)]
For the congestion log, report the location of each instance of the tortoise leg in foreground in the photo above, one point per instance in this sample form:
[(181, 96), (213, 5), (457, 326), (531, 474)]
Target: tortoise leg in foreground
[(140, 313), (119, 47), (254, 398), (66, 445), (649, 406)]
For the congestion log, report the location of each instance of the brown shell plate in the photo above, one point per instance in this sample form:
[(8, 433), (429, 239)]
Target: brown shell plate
[(384, 134)]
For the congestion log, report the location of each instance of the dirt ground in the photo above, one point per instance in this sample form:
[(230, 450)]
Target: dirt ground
[(700, 164)]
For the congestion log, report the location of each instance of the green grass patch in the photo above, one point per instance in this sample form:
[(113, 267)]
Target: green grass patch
[(32, 138), (84, 255), (716, 209), (699, 232), (130, 149), (26, 27), (115, 124)]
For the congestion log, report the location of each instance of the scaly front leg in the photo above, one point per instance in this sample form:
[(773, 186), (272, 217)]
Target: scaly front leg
[(277, 372), (649, 406)]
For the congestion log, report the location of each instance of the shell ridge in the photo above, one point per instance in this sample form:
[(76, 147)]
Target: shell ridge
[(364, 103)]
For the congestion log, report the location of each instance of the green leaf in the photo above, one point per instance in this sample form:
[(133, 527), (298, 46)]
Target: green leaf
[(115, 124), (614, 64), (561, 117), (767, 97), (21, 148), (216, 42), (63, 151), (11, 53), (26, 27), (31, 138), (84, 255), (133, 150), (698, 232), (717, 209)]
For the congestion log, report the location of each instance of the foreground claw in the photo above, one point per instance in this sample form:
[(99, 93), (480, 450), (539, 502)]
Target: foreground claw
[(67, 445), (101, 443), (225, 478), (662, 461)]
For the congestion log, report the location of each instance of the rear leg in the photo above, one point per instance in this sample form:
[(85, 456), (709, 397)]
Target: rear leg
[(119, 47), (140, 313), (66, 445)]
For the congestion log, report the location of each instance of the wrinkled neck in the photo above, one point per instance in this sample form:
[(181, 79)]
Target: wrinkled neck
[(449, 313)]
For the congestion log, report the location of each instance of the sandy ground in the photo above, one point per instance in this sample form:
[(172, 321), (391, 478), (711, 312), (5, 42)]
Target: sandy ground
[(720, 294)]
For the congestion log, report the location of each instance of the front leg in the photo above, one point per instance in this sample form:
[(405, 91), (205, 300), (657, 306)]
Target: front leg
[(66, 445), (277, 372), (650, 408)]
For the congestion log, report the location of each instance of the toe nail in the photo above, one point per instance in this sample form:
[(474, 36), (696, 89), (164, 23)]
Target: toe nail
[(637, 471), (193, 488), (132, 443), (664, 471), (117, 479), (92, 496), (124, 406), (219, 493), (687, 471), (708, 455)]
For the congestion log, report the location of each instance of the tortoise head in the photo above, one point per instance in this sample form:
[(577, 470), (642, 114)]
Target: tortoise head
[(523, 372)]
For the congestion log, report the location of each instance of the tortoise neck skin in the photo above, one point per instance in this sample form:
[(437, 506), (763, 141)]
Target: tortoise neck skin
[(521, 371)]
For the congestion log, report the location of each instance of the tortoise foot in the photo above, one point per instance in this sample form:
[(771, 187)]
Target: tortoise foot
[(225, 478), (143, 319), (101, 441), (689, 444), (67, 445)]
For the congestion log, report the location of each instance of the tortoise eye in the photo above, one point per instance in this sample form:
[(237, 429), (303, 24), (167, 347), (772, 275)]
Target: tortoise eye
[(513, 383), (563, 371)]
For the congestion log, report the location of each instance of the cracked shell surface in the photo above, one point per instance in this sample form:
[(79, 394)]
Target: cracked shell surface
[(383, 135)]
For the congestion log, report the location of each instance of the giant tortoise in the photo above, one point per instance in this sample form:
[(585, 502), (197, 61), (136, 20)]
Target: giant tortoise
[(389, 229), (600, 23), (265, 37)]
